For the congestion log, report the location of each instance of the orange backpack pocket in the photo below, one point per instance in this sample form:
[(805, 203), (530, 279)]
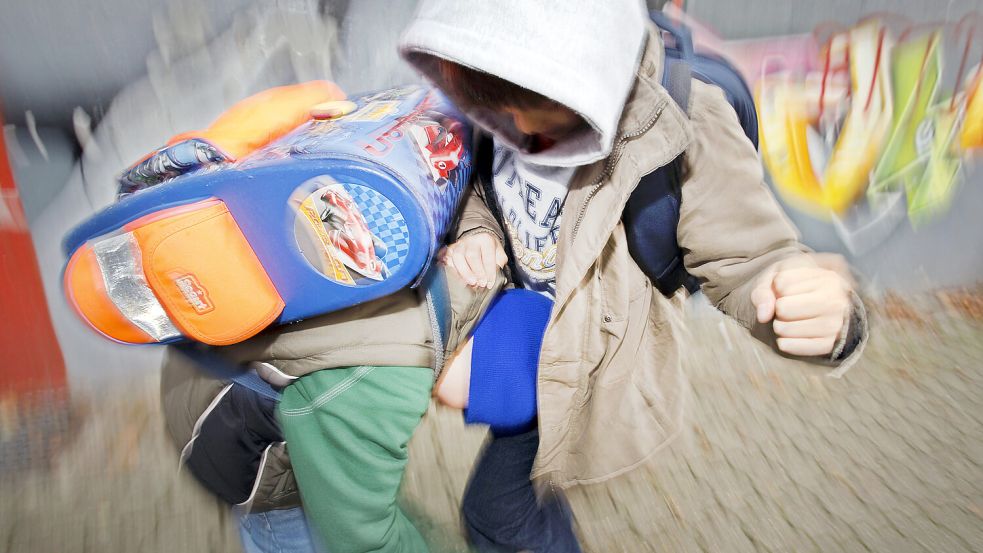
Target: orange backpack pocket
[(184, 271)]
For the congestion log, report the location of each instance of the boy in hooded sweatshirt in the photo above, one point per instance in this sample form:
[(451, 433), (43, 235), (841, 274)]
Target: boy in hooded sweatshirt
[(570, 93)]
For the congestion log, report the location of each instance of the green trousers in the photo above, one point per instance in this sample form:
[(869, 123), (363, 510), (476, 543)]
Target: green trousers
[(347, 432)]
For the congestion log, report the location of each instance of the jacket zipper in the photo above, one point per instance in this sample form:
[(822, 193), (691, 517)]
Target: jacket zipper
[(614, 158)]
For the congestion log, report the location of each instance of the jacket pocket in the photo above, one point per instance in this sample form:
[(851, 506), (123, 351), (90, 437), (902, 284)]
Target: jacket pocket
[(625, 340)]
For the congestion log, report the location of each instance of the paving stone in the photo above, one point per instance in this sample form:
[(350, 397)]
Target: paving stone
[(825, 542), (960, 521), (722, 532), (933, 537)]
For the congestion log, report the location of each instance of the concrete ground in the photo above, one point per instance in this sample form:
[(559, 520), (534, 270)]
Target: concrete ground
[(775, 456)]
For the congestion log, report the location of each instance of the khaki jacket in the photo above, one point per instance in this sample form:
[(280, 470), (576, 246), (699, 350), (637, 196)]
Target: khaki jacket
[(610, 387)]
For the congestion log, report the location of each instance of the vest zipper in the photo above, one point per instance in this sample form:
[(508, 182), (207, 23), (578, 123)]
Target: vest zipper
[(614, 158)]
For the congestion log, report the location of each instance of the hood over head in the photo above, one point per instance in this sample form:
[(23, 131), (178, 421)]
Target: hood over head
[(580, 53)]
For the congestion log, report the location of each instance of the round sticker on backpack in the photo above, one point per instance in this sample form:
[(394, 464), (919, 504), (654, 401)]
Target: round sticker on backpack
[(350, 233)]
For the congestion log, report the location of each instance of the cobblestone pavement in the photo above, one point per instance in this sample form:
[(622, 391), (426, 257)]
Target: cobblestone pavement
[(775, 456)]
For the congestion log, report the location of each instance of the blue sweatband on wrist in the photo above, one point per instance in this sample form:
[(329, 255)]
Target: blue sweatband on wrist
[(505, 362)]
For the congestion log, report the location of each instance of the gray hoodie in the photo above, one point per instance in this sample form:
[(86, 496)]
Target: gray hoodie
[(582, 54)]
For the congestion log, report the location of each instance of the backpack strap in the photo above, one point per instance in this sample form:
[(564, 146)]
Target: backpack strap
[(484, 160), (652, 217), (437, 296), (677, 73), (220, 367), (652, 212)]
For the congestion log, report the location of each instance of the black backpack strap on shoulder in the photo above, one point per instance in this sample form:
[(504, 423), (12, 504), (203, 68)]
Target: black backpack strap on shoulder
[(651, 217), (678, 81), (484, 160)]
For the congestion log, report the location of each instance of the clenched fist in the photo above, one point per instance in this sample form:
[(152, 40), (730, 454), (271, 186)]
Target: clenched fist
[(808, 305)]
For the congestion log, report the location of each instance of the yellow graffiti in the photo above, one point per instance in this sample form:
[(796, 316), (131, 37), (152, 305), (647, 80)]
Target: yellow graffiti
[(831, 139)]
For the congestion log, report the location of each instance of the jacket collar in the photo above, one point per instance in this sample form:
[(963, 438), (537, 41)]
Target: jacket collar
[(652, 132)]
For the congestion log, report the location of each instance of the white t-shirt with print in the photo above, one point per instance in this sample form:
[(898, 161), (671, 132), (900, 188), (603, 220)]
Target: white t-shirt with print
[(530, 198)]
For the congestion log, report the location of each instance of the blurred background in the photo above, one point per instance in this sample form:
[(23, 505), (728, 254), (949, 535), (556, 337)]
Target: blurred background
[(776, 457)]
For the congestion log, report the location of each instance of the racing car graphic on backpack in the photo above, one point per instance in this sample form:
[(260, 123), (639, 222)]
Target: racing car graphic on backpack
[(356, 246), (441, 148)]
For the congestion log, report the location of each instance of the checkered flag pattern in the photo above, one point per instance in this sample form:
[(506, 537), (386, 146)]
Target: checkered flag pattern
[(385, 222)]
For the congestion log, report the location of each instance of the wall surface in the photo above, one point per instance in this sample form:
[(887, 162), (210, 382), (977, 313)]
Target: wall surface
[(58, 54), (754, 18)]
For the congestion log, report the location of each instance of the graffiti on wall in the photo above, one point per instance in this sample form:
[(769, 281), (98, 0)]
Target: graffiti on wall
[(868, 125), (876, 122)]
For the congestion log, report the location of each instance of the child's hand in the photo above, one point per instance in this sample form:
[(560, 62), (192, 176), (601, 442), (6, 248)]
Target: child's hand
[(476, 258), (809, 304)]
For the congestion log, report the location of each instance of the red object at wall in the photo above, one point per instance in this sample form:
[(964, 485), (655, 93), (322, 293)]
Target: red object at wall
[(30, 357)]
